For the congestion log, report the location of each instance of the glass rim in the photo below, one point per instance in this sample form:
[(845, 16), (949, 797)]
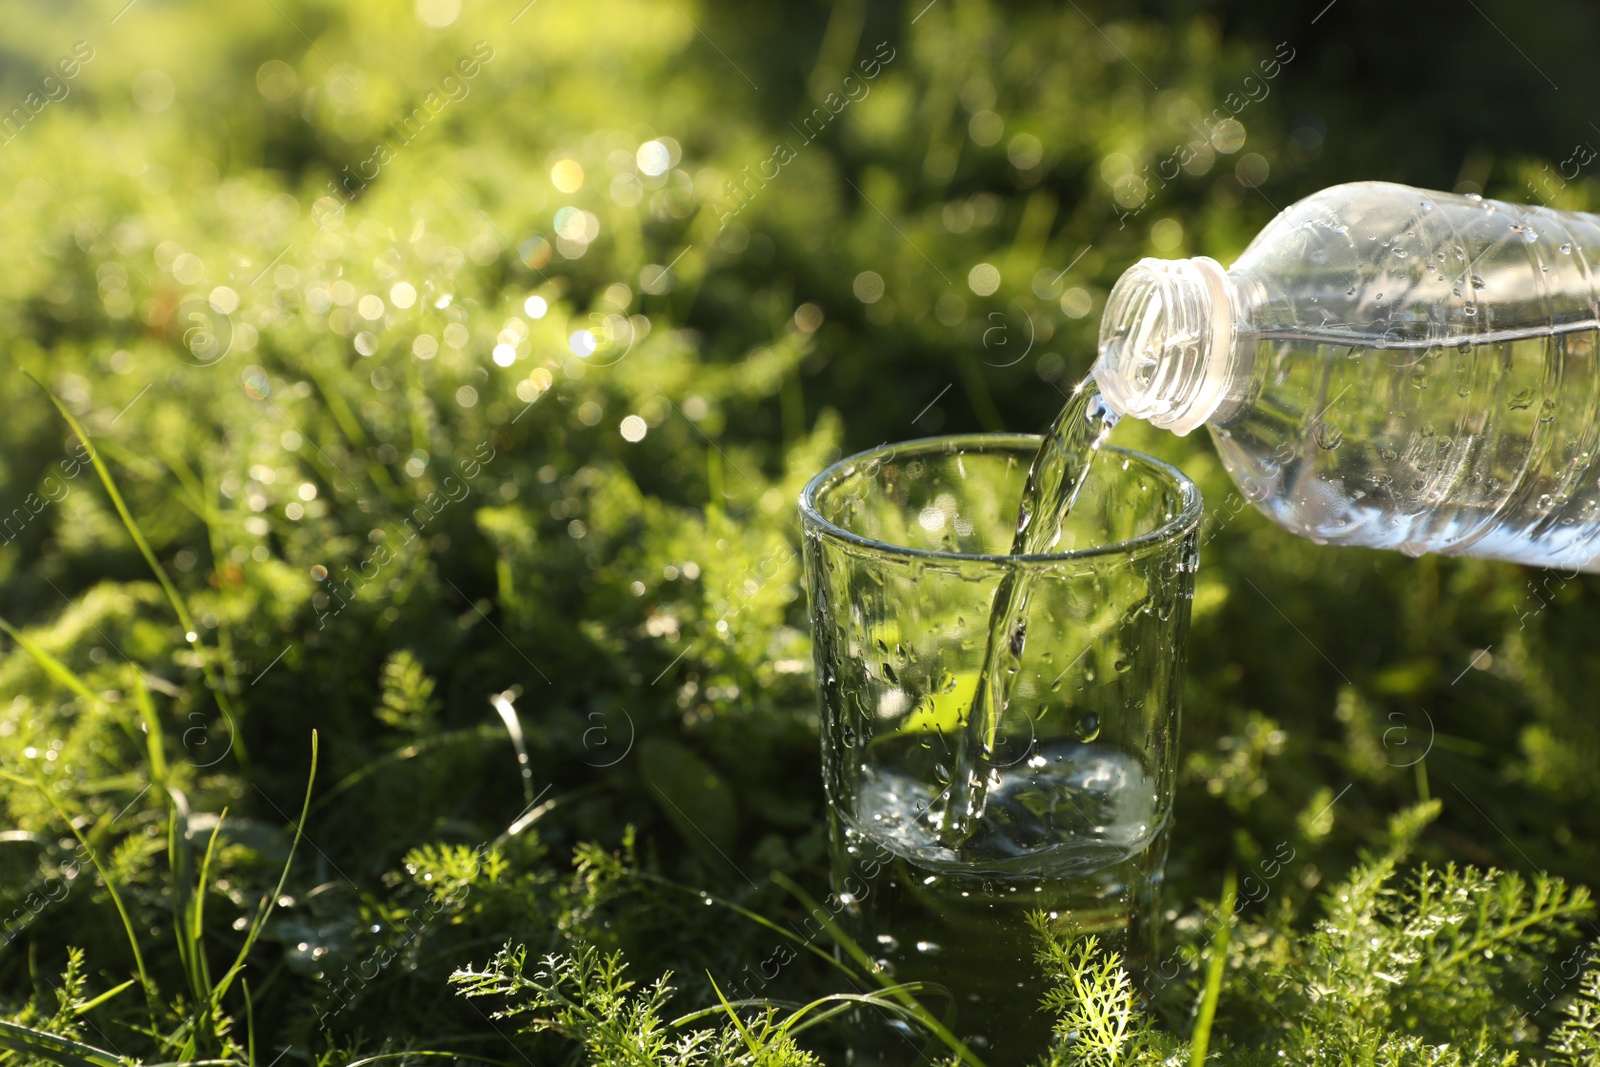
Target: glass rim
[(1186, 519)]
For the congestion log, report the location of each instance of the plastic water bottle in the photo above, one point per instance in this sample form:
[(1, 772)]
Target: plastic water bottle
[(1387, 367)]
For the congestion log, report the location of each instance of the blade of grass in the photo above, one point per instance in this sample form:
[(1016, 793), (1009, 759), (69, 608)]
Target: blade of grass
[(218, 690), (1201, 1038), (52, 666), (855, 952), (738, 1024), (760, 920), (205, 491), (89, 1005), (249, 1021), (152, 729), (55, 1049), (149, 470), (105, 876), (386, 1056), (205, 875), (354, 433), (180, 861), (270, 902), (840, 1002), (484, 733)]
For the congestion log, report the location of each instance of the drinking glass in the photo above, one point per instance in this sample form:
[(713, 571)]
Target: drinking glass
[(905, 546)]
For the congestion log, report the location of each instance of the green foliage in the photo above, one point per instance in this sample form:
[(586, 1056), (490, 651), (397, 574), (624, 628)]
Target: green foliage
[(407, 702), (585, 998), (1397, 970), (1576, 1041), (282, 454)]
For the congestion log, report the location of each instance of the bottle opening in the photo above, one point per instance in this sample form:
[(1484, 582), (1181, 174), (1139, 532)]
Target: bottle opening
[(1166, 342)]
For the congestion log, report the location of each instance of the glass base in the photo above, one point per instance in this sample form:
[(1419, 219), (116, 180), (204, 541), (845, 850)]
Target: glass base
[(965, 934)]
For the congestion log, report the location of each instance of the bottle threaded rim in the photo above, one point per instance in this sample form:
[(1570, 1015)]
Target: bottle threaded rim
[(1166, 342)]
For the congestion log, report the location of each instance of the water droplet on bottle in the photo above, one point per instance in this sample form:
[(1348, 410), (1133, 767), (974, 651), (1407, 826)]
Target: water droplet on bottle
[(1328, 437), (1546, 502), (1470, 308), (888, 672), (1520, 400), (1087, 728), (1350, 291), (1477, 282), (1388, 454), (1464, 391), (1566, 248), (929, 948)]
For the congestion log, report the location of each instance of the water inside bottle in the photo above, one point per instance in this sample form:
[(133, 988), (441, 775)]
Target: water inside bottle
[(1479, 449)]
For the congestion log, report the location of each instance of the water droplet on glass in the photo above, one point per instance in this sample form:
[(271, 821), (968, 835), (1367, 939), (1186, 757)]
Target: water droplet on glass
[(1087, 727), (1328, 437)]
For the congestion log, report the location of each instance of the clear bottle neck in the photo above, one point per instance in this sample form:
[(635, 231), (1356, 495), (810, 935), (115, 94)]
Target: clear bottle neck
[(1167, 342)]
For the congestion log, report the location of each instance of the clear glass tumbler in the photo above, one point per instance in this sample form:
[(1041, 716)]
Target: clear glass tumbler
[(904, 548)]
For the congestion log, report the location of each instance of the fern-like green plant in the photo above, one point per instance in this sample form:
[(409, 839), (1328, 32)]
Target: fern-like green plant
[(1098, 1019), (587, 998), (1576, 1042), (406, 701), (1401, 969)]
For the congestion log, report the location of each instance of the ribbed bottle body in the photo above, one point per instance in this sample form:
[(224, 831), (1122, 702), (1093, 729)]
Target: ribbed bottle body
[(1417, 371)]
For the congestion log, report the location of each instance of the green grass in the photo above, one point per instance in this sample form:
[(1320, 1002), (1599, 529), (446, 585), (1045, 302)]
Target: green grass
[(365, 699)]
